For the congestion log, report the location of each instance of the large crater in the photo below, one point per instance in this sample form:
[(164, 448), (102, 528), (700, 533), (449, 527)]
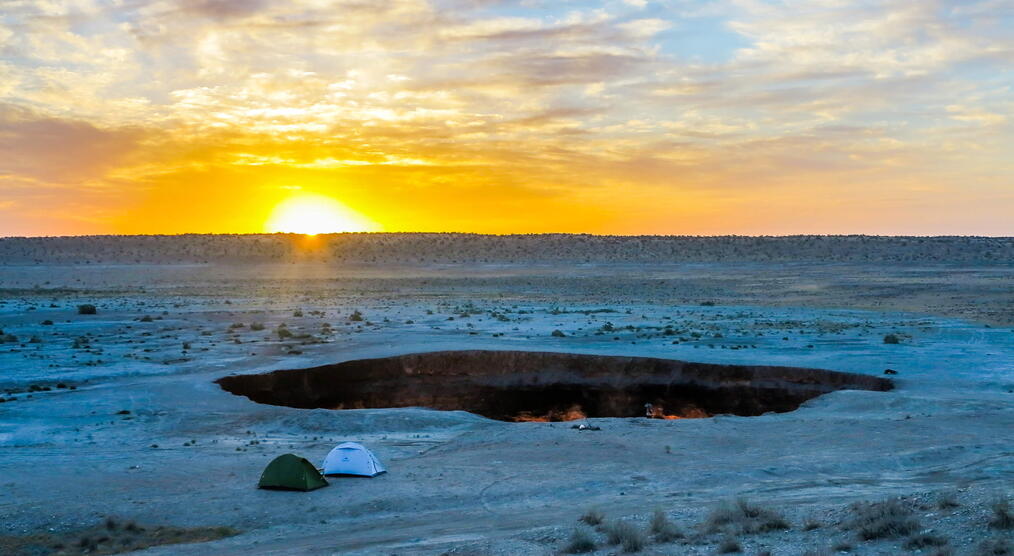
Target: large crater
[(544, 386)]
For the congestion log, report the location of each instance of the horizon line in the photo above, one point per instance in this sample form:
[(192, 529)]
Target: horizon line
[(378, 233)]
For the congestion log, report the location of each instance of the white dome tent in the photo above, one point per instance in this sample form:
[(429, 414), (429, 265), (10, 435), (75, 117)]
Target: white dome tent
[(350, 458)]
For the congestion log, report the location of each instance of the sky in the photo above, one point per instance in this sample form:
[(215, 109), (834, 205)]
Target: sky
[(607, 117)]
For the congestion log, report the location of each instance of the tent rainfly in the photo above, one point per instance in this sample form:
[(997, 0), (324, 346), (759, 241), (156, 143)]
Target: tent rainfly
[(291, 472), (350, 458)]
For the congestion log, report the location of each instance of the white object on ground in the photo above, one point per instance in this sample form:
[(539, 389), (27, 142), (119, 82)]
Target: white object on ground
[(350, 458)]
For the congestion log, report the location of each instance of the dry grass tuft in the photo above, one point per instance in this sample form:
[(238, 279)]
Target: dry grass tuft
[(1003, 516), (108, 537), (624, 533), (741, 516), (593, 516), (581, 541), (882, 520), (948, 500), (729, 545), (663, 529), (924, 540), (997, 546)]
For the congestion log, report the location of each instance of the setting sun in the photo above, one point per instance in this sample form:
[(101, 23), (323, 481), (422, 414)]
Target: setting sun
[(317, 214)]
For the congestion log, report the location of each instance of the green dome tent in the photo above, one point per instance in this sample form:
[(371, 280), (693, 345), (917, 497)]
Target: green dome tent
[(291, 472)]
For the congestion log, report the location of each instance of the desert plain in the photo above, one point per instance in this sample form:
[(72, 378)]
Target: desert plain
[(112, 425)]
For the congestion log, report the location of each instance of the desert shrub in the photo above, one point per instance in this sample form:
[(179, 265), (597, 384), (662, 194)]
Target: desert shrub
[(626, 535), (881, 520), (593, 516), (948, 499), (86, 309), (924, 540), (1003, 517), (356, 316), (729, 545), (997, 546), (88, 544), (744, 517), (558, 334), (663, 529), (581, 541), (283, 332), (892, 339), (133, 527), (256, 326), (297, 313), (47, 322)]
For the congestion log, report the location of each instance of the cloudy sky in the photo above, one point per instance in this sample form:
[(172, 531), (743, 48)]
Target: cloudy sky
[(632, 116)]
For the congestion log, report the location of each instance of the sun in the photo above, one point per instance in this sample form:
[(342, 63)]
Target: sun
[(313, 214)]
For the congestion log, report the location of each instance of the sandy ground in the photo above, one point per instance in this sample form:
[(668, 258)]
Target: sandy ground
[(189, 454)]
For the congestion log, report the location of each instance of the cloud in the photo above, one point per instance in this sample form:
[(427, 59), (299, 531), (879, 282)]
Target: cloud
[(221, 9), (59, 150), (598, 101)]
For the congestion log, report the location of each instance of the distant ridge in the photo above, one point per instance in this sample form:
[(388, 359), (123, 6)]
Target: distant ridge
[(458, 248)]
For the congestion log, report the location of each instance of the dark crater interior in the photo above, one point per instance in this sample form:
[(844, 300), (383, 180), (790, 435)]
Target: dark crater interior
[(543, 386)]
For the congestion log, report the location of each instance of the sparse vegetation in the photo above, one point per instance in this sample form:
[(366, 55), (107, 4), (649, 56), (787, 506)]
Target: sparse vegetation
[(625, 534), (729, 545), (108, 537), (742, 517), (1003, 517), (924, 540), (581, 541), (664, 529), (947, 500), (356, 316), (882, 520), (996, 546), (892, 339), (558, 334), (87, 309), (405, 248), (593, 516)]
